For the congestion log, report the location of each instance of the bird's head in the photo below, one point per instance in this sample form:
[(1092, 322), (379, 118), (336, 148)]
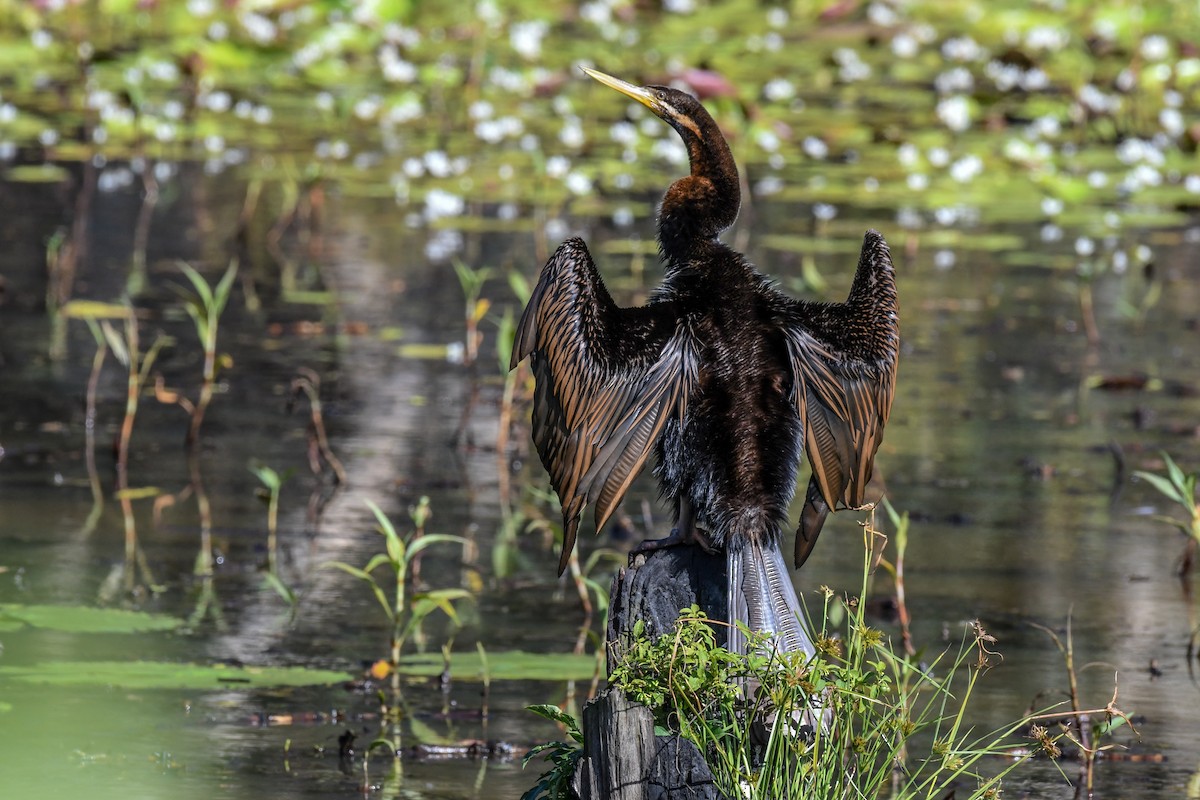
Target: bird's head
[(678, 109), (705, 203)]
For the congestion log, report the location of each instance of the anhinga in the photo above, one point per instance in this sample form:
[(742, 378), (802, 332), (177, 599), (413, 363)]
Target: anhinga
[(726, 379)]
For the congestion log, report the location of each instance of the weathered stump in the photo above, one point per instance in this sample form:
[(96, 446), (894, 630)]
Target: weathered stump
[(656, 585), (623, 759)]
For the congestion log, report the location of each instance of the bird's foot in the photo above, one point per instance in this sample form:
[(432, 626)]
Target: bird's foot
[(689, 535)]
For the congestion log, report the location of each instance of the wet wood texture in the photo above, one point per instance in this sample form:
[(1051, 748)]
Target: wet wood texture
[(623, 759)]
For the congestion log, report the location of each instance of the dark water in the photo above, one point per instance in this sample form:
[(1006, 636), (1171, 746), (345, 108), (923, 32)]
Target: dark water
[(1000, 446)]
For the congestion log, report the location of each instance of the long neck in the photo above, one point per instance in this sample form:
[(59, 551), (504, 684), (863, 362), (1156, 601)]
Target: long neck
[(699, 206)]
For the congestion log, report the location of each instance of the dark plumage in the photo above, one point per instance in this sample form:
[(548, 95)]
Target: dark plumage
[(725, 378)]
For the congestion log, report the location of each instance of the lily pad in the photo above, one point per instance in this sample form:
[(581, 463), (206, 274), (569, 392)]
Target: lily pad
[(94, 309), (82, 619), (511, 665), (36, 173), (157, 675)]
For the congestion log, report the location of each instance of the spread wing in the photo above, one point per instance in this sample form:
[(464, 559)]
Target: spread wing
[(843, 360), (607, 380)]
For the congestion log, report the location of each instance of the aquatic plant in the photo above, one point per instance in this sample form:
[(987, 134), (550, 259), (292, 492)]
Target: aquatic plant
[(272, 482), (1180, 488), (881, 707), (555, 782), (404, 609), (205, 305), (1078, 725)]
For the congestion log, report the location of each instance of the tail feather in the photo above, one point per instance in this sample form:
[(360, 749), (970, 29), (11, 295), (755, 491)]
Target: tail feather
[(761, 596)]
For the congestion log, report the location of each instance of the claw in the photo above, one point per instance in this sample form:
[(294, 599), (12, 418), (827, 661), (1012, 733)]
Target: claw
[(688, 536)]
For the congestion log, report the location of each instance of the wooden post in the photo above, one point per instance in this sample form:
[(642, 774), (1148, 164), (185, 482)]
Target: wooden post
[(623, 759)]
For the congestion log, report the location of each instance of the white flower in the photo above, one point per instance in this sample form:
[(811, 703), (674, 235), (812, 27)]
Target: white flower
[(904, 46), (218, 102), (966, 168), (1052, 206), (767, 140), (578, 183), (440, 203), (671, 150), (779, 89), (526, 37), (851, 67), (954, 80), (1155, 48), (882, 14), (1171, 121), (962, 48), (815, 148), (623, 133), (1045, 37), (824, 211), (679, 6), (557, 166), (572, 134), (955, 113), (437, 163), (261, 29)]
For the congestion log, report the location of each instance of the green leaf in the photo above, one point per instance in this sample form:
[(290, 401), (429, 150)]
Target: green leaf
[(267, 476), (363, 576), (82, 619), (1173, 471), (505, 665), (221, 295), (395, 545), (155, 675), (282, 589), (520, 286), (377, 561), (116, 342), (203, 290), (95, 309), (552, 713), (443, 599), (1160, 483), (431, 539), (36, 173)]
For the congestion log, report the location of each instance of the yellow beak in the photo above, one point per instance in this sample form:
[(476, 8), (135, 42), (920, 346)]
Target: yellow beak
[(639, 93)]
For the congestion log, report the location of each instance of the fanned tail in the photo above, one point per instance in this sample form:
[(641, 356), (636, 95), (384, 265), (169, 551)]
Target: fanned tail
[(761, 596)]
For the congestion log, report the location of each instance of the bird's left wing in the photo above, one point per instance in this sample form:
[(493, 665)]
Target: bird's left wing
[(844, 402), (607, 380)]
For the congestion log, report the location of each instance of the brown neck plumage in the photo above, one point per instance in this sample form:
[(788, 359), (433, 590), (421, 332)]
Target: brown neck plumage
[(696, 208)]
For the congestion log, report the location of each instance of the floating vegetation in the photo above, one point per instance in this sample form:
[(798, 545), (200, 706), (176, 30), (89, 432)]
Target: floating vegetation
[(82, 619), (157, 675), (512, 665), (938, 104)]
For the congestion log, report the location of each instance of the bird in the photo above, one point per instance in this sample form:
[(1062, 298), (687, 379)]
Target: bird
[(724, 378)]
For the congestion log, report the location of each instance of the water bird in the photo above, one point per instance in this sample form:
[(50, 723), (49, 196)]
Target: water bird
[(726, 379)]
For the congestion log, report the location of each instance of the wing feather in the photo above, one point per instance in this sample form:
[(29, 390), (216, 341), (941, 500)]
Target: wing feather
[(607, 381), (843, 359)]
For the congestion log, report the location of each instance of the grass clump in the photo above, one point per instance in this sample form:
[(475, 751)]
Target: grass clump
[(890, 724)]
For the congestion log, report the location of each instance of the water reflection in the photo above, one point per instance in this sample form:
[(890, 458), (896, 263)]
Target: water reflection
[(1001, 446)]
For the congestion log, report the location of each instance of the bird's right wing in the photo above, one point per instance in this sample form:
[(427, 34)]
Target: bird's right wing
[(607, 380), (844, 368)]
